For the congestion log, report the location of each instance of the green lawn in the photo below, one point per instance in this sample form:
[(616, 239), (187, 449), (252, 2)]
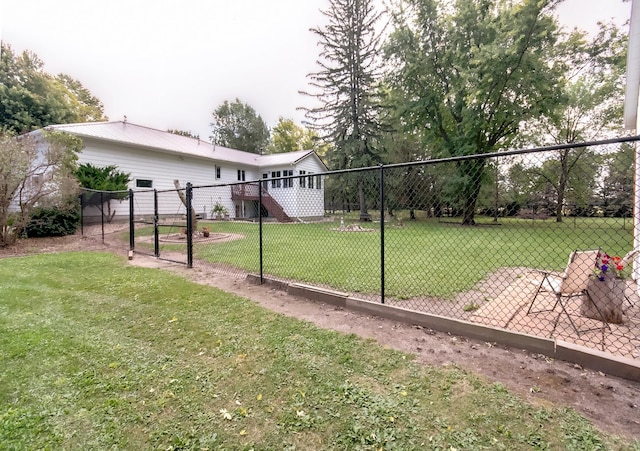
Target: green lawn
[(424, 257), (95, 354)]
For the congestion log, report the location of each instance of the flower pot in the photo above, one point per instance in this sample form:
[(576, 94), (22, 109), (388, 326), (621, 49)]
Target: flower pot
[(205, 233), (608, 296)]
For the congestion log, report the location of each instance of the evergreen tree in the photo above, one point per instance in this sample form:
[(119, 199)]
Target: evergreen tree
[(346, 87), (111, 184)]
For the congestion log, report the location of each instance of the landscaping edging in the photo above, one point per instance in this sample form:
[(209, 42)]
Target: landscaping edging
[(589, 358)]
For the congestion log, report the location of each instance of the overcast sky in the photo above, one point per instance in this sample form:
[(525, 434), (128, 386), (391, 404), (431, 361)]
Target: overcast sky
[(169, 64)]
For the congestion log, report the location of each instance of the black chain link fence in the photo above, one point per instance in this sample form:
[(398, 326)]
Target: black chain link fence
[(104, 217), (498, 239)]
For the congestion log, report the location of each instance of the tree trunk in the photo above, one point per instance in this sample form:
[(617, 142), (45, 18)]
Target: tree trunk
[(469, 210), (562, 183), (183, 199), (110, 214), (364, 214), (472, 171)]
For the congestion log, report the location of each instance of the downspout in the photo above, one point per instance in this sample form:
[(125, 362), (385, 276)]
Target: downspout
[(632, 92)]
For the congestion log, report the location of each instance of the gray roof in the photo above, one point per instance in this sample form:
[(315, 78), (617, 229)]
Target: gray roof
[(140, 136)]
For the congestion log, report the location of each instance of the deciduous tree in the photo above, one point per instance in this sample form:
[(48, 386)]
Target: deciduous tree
[(287, 136), (579, 189), (237, 125), (591, 105), (186, 133), (35, 170), (31, 99), (616, 191), (471, 72)]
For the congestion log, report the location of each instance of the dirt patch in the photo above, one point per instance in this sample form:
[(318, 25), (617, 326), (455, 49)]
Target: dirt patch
[(611, 403)]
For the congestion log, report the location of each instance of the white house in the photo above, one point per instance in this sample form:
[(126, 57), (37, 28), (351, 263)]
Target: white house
[(154, 159)]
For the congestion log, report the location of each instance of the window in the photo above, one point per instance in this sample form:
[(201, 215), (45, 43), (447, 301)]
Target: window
[(310, 181), (318, 181), (218, 172), (303, 179), (142, 183), (287, 183), (241, 175), (265, 185), (35, 181), (275, 183)]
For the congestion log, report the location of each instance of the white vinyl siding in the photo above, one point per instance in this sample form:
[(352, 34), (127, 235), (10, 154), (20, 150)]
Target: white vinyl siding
[(162, 168), (308, 199)]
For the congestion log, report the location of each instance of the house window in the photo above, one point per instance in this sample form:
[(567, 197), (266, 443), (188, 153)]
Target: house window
[(287, 183), (303, 179), (142, 183), (275, 183), (241, 175), (218, 172), (265, 185), (310, 181), (35, 181), (318, 182)]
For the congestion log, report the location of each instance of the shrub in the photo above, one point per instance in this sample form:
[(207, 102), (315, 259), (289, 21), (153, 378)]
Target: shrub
[(53, 221)]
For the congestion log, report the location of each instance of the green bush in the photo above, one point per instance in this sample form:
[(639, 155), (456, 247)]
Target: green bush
[(53, 221)]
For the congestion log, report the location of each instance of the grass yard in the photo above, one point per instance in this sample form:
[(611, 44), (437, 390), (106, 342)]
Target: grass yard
[(424, 257), (96, 354)]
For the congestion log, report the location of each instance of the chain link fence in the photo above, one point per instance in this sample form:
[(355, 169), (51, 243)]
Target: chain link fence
[(500, 239), (104, 217)]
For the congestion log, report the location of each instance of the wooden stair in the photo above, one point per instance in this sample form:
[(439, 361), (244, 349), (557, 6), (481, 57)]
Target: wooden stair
[(250, 192), (274, 208)]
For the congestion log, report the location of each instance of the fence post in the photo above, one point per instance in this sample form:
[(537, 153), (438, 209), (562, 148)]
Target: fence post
[(102, 215), (260, 229), (189, 195), (156, 236), (382, 282), (132, 236), (82, 214)]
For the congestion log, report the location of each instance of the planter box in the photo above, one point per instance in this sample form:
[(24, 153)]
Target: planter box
[(608, 295)]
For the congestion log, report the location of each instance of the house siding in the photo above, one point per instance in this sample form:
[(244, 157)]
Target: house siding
[(162, 168), (309, 202), (298, 202), (159, 158)]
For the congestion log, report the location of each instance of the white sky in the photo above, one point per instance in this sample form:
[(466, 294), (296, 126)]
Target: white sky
[(169, 64)]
